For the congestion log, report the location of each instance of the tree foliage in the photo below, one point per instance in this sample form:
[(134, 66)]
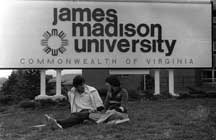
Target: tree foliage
[(23, 84)]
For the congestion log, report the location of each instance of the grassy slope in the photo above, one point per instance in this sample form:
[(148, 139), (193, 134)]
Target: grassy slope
[(150, 120)]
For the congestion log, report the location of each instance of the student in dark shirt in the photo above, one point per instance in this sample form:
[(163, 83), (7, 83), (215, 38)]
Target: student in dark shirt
[(117, 97), (115, 104)]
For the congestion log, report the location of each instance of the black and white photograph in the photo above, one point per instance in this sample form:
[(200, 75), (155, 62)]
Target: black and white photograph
[(107, 70)]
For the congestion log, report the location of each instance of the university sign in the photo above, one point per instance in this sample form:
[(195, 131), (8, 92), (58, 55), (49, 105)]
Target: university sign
[(66, 34)]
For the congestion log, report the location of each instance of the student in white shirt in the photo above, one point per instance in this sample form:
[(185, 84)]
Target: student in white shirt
[(83, 100)]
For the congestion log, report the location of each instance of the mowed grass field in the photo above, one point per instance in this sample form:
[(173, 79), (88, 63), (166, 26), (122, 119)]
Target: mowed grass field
[(170, 119)]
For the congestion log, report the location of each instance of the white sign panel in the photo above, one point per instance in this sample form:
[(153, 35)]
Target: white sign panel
[(67, 34)]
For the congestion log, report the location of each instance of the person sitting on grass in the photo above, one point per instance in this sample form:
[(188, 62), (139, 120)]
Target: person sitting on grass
[(117, 97), (83, 99), (114, 110), (115, 103)]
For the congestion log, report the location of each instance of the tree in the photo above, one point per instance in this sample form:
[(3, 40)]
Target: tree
[(29, 83), (23, 84), (8, 87)]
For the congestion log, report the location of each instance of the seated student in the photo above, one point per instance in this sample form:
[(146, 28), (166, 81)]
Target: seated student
[(83, 100), (117, 97), (115, 103)]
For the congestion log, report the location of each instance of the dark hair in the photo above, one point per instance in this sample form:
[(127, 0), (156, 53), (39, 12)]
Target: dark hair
[(113, 80), (78, 80)]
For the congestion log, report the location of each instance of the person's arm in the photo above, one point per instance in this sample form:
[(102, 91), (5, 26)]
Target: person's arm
[(107, 99), (71, 98), (70, 94), (124, 100), (97, 100)]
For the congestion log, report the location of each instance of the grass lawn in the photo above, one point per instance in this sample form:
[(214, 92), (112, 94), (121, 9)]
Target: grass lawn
[(171, 119)]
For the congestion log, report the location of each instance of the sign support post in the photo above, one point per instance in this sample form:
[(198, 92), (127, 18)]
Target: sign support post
[(58, 85), (42, 85), (171, 83), (157, 81)]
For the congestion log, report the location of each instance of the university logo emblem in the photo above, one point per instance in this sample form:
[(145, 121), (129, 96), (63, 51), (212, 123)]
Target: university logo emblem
[(54, 42)]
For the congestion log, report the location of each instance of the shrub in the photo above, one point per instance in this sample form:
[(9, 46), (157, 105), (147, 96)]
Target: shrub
[(63, 102), (133, 94), (22, 84), (28, 104), (46, 103), (148, 94), (6, 99)]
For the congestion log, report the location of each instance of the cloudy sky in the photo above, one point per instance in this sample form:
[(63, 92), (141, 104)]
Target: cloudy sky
[(5, 73)]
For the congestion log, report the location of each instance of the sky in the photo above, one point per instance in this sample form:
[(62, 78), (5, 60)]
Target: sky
[(6, 73)]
